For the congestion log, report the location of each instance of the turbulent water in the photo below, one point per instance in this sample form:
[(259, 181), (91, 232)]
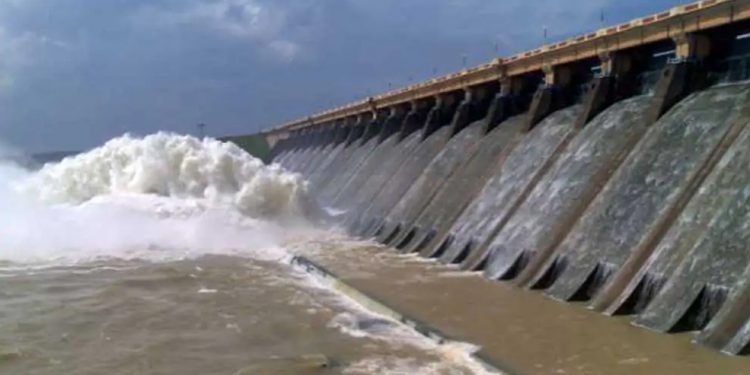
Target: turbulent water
[(171, 255)]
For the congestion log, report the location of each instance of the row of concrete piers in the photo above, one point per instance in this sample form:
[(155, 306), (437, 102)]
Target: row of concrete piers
[(563, 178), (596, 82)]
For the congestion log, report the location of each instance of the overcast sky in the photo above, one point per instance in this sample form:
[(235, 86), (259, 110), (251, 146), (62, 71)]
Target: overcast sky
[(74, 73)]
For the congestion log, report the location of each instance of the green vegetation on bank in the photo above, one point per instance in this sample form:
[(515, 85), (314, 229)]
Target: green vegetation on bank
[(254, 144)]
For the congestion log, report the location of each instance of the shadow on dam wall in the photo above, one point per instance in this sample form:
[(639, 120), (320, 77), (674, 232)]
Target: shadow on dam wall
[(628, 192)]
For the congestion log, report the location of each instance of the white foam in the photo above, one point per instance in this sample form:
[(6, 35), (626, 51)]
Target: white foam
[(334, 212), (358, 321), (161, 197), (393, 366), (452, 359), (171, 165)]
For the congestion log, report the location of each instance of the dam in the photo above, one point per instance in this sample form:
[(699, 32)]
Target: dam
[(608, 170)]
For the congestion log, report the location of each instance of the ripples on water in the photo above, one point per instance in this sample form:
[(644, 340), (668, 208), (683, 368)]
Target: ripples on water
[(214, 315)]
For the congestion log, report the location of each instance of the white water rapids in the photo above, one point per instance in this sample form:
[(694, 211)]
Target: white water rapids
[(163, 196)]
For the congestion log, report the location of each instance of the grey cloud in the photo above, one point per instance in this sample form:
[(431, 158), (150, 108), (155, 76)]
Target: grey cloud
[(75, 73), (252, 20)]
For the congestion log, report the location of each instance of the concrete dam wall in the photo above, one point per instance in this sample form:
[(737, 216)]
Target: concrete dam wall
[(620, 180)]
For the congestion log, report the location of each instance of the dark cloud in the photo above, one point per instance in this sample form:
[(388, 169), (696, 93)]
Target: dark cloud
[(75, 73)]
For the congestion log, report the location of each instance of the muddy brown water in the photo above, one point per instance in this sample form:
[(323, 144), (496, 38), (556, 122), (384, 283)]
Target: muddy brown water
[(521, 331), (213, 315), (232, 315)]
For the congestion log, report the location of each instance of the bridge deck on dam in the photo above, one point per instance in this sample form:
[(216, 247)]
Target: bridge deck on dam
[(519, 332), (694, 17)]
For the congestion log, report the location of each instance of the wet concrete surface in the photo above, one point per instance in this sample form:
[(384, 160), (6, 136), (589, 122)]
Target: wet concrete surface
[(506, 188), (642, 197)]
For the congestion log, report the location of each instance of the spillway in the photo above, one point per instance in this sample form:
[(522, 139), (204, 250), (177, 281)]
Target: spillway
[(515, 177), (349, 164), (402, 178), (422, 190), (618, 180), (372, 172), (634, 215), (564, 192), (373, 181), (700, 266), (663, 170), (464, 183)]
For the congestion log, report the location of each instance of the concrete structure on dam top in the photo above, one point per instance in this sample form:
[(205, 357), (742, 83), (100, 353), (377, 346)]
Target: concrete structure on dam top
[(609, 169), (552, 63)]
